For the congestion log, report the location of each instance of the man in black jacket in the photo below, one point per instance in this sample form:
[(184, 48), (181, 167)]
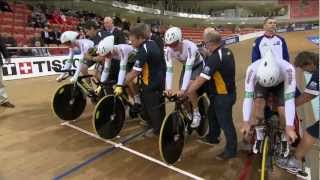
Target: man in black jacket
[(4, 102), (109, 29)]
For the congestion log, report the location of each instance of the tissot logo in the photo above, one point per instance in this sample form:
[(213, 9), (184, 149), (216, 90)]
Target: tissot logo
[(25, 68), (9, 69)]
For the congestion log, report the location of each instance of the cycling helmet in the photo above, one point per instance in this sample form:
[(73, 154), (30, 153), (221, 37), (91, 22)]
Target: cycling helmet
[(105, 46), (68, 36), (173, 35), (268, 72)]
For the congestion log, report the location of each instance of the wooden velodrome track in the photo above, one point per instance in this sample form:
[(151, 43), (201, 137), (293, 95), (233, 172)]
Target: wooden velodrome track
[(33, 144)]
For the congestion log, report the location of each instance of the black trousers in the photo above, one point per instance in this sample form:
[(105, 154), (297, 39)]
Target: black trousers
[(220, 117), (154, 107)]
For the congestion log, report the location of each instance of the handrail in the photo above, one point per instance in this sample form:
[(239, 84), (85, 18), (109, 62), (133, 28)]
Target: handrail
[(63, 47)]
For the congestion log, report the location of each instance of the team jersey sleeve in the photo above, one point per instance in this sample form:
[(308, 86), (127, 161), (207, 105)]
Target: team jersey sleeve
[(169, 71), (141, 58), (313, 85), (289, 91), (255, 50), (123, 52), (249, 90)]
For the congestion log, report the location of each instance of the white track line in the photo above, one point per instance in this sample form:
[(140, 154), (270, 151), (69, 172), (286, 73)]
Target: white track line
[(121, 146)]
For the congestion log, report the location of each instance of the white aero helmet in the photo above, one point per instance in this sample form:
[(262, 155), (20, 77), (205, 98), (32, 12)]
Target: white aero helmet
[(172, 35), (105, 46), (268, 72), (68, 36)]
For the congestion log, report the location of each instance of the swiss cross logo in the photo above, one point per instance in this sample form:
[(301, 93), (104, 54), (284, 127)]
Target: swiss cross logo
[(25, 68)]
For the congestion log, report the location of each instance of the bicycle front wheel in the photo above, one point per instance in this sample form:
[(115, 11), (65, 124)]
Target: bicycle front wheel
[(265, 156)]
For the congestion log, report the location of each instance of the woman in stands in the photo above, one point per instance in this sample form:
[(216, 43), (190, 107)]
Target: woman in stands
[(70, 39), (187, 53)]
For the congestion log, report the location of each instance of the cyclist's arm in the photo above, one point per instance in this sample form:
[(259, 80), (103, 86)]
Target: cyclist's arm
[(249, 91), (289, 91), (188, 69), (71, 55), (106, 70), (123, 67), (169, 71)]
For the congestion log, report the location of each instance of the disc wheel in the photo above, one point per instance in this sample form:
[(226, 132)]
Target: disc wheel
[(108, 117), (171, 138), (68, 102)]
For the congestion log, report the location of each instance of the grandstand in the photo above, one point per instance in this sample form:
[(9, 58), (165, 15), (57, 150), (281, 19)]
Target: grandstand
[(15, 23)]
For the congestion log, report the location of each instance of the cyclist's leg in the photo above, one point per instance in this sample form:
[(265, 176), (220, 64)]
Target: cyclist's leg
[(260, 94), (278, 92), (194, 96)]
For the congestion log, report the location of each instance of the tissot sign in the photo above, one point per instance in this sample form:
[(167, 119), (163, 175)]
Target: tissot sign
[(34, 67)]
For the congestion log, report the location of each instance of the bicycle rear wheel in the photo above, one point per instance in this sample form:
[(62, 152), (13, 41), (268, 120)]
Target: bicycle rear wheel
[(265, 159)]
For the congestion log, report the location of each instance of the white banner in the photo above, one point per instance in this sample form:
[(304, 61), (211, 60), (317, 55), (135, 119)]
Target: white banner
[(20, 68)]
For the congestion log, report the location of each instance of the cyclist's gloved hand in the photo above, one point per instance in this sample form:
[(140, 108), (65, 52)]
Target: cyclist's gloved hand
[(291, 134), (118, 90)]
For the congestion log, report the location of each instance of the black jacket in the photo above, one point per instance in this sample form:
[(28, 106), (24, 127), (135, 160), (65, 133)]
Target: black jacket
[(119, 36), (3, 51)]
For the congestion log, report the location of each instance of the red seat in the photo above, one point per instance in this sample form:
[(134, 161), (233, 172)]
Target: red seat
[(7, 28), (19, 38), (19, 22), (19, 29), (29, 30)]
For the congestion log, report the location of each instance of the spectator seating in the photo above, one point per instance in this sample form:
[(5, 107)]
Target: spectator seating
[(299, 9)]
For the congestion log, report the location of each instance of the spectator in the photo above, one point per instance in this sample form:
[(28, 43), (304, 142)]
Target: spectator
[(4, 6), (4, 102), (45, 35), (9, 41), (117, 23), (25, 51), (41, 52), (109, 29), (82, 34), (55, 35)]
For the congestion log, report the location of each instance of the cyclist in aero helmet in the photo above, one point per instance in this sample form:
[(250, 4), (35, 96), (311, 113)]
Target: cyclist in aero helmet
[(187, 53), (265, 76), (70, 39)]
